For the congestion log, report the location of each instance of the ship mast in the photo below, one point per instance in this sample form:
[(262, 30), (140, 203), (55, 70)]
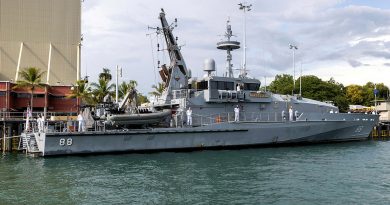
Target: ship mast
[(229, 46), (175, 76)]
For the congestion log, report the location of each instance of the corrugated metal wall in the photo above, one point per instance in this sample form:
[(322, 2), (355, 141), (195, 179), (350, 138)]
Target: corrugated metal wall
[(37, 23)]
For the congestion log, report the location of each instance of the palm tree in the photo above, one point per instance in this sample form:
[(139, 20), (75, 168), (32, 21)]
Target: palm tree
[(106, 75), (124, 87), (101, 89), (81, 91), (31, 78), (158, 90)]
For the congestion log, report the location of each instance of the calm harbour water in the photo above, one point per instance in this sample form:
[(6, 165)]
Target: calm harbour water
[(342, 173)]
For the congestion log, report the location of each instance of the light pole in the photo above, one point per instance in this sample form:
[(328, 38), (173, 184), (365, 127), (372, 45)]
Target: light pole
[(293, 47), (118, 72), (244, 7), (300, 83), (375, 93)]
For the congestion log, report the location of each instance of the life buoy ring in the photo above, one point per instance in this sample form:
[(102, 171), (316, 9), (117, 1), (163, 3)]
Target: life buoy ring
[(218, 119)]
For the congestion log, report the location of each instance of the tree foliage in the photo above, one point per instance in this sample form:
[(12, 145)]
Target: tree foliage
[(105, 75), (125, 87), (94, 93), (102, 89), (283, 84), (158, 90), (364, 95), (82, 90), (30, 78), (141, 99), (313, 88)]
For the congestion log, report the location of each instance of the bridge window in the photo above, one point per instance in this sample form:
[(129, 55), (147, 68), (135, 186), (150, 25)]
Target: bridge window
[(202, 85), (221, 85), (251, 86)]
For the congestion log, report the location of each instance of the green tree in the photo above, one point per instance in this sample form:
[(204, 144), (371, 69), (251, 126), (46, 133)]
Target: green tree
[(383, 91), (158, 90), (124, 88), (82, 91), (283, 84), (141, 99), (317, 89), (31, 78), (101, 89), (368, 94), (106, 74), (354, 94)]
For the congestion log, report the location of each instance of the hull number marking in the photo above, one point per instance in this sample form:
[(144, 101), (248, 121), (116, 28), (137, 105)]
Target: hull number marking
[(67, 142)]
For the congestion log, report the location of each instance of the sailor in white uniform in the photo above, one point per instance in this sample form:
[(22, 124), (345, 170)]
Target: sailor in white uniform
[(39, 123), (81, 122), (236, 114), (189, 116)]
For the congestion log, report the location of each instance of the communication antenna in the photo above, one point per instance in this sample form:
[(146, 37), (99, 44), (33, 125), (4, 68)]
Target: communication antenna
[(153, 59)]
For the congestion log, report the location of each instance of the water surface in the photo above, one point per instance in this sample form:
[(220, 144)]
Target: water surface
[(342, 173)]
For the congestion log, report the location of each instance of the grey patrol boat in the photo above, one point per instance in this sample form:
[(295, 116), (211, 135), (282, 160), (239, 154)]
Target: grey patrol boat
[(227, 112)]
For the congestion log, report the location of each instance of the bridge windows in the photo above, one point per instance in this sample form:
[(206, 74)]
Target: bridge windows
[(202, 85), (221, 85), (251, 86)]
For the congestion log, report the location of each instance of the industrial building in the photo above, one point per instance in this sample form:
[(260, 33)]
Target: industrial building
[(45, 34)]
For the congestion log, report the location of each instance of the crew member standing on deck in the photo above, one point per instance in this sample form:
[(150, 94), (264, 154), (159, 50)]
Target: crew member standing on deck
[(236, 114), (39, 123), (81, 122), (43, 123), (291, 113), (28, 116), (189, 116)]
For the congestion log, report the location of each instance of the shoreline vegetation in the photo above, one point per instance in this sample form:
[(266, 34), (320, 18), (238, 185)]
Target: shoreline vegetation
[(342, 96)]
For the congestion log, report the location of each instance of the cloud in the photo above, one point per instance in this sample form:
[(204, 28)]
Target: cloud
[(354, 63), (330, 34)]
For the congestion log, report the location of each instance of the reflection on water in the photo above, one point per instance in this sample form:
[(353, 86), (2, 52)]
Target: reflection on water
[(344, 173)]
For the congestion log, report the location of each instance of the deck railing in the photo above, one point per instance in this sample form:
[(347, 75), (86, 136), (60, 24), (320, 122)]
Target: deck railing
[(22, 115), (180, 120), (202, 120)]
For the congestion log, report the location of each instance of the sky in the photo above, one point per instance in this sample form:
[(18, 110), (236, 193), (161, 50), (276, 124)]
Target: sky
[(348, 40)]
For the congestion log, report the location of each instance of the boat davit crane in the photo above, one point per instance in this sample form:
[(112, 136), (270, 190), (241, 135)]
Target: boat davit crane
[(175, 77)]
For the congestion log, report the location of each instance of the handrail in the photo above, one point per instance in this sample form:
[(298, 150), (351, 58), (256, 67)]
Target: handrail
[(201, 120), (22, 115), (179, 120)]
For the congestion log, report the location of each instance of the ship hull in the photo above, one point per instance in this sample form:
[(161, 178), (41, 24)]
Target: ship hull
[(217, 136)]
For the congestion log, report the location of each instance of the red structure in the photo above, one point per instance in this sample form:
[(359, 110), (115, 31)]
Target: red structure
[(52, 97)]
